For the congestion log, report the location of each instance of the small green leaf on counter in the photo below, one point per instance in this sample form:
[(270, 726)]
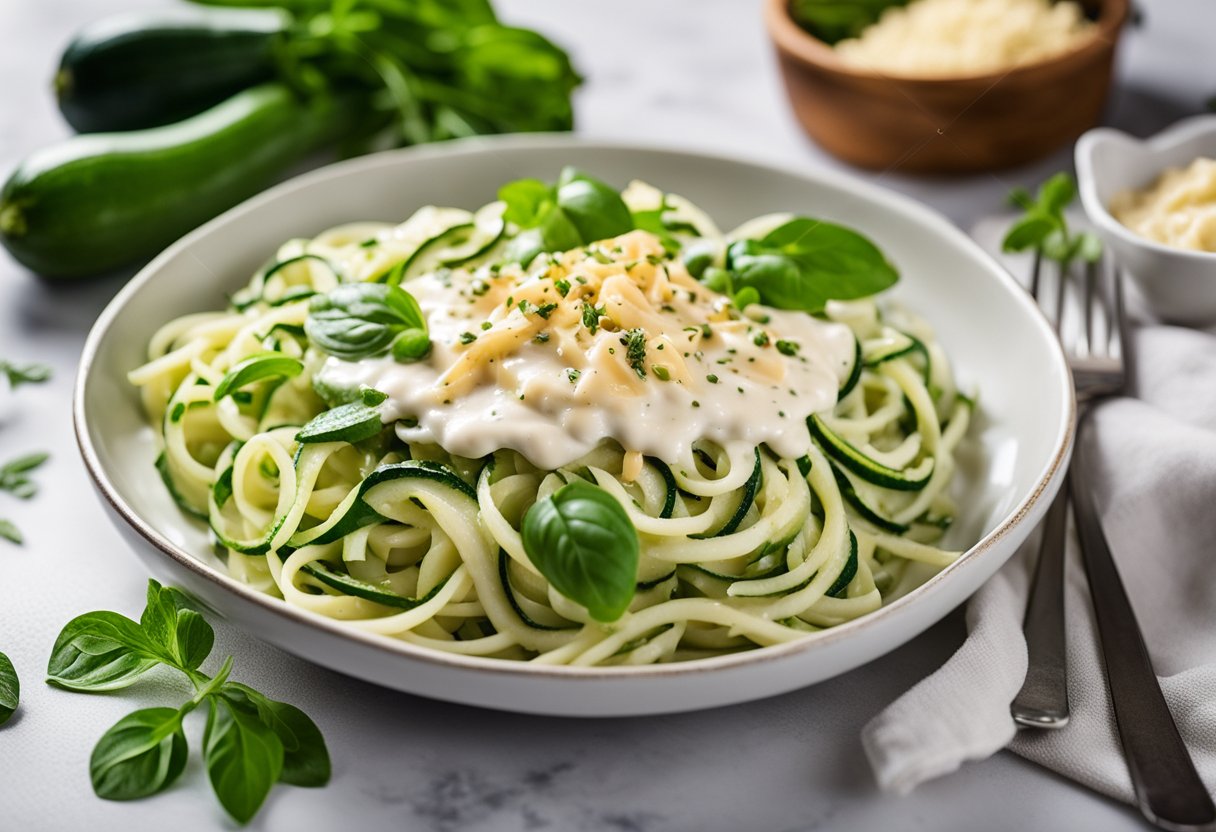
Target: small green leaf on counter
[(10, 532), (141, 755), (244, 757), (13, 477), (10, 689), (582, 542), (24, 374)]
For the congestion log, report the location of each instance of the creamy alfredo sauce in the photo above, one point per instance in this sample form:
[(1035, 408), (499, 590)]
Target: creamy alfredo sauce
[(616, 341)]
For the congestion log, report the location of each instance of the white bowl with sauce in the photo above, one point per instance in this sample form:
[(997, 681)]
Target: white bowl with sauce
[(999, 342), (1178, 285)]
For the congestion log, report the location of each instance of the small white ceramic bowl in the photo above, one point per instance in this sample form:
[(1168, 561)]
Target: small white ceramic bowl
[(988, 325), (1178, 285)]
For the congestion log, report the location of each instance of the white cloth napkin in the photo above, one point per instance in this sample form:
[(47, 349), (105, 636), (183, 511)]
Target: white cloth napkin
[(1155, 461)]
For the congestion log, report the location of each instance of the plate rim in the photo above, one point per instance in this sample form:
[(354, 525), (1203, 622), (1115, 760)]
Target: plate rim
[(397, 649)]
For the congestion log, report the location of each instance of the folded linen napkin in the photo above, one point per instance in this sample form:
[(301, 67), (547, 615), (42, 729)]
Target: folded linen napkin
[(1154, 458)]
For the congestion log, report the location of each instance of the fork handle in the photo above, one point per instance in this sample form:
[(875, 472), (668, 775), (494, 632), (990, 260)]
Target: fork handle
[(1043, 700), (1168, 789)]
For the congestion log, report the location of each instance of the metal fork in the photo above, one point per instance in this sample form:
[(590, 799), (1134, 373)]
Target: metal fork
[(1168, 789)]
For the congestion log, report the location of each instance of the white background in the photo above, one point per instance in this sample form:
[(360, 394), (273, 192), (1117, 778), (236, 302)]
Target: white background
[(689, 72)]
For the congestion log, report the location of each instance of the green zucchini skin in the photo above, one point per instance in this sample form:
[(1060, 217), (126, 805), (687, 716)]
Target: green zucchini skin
[(96, 202), (135, 71)]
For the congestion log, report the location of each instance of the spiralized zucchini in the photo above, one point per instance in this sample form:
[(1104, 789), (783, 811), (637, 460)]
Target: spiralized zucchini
[(744, 549)]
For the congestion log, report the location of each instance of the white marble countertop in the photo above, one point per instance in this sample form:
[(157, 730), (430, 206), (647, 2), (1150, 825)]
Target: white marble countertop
[(673, 71)]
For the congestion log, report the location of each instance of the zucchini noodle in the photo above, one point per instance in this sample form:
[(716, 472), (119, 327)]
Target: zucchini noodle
[(741, 546)]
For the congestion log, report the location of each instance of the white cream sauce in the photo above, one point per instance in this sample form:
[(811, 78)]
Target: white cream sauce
[(537, 380)]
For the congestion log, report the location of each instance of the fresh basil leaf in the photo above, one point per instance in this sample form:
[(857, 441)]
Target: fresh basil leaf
[(411, 345), (1087, 247), (1028, 232), (305, 757), (10, 688), (526, 201), (360, 320), (1056, 194), (593, 208), (10, 532), (100, 651), (18, 375), (244, 757), (582, 542), (142, 754), (183, 635), (258, 368), (352, 422)]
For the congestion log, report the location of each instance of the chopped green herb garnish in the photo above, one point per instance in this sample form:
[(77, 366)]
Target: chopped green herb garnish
[(696, 403), (545, 310), (467, 337), (787, 347), (711, 378), (486, 325), (591, 317), (572, 374), (760, 339), (661, 372), (563, 287), (635, 350), (541, 338)]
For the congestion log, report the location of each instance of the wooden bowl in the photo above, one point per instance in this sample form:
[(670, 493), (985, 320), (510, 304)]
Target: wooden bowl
[(945, 125)]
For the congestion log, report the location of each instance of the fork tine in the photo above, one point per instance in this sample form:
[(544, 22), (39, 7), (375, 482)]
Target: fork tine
[(1086, 343)]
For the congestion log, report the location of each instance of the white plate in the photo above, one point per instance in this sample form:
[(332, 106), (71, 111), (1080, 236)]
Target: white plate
[(988, 325)]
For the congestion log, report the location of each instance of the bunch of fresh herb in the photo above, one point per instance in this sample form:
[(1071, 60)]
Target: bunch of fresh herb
[(438, 69), (1043, 226), (250, 741)]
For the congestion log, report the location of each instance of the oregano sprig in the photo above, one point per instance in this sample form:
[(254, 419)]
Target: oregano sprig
[(250, 741)]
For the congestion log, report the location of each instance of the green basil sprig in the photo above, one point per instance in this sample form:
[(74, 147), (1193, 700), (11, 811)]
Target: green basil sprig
[(801, 265), (10, 688), (250, 742), (576, 211), (360, 320), (1044, 227), (352, 422), (583, 543), (258, 368)]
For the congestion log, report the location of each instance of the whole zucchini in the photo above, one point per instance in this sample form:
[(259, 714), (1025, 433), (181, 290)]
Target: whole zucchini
[(143, 70), (96, 202)]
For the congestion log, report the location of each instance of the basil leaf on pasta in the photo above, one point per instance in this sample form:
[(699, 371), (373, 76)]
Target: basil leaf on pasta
[(142, 754), (582, 542), (360, 320), (805, 262), (258, 368), (352, 422)]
